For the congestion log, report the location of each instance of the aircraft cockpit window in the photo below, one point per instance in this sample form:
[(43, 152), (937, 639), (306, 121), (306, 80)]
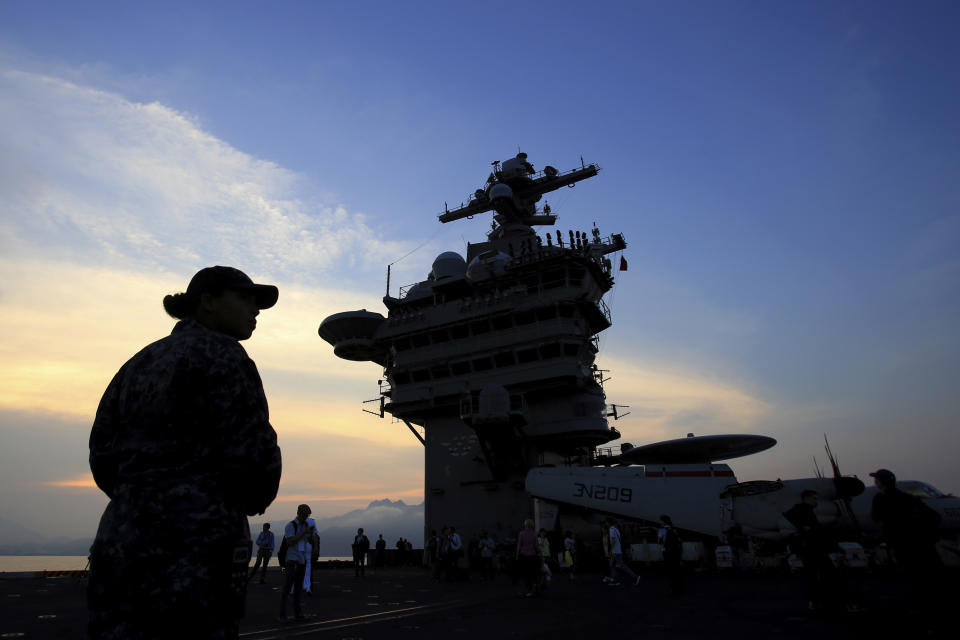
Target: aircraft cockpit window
[(920, 489)]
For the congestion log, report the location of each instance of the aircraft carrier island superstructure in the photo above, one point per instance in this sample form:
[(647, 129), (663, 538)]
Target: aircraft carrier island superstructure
[(493, 353)]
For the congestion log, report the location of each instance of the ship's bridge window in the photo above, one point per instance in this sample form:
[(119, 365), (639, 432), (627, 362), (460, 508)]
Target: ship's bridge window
[(483, 364), (571, 349), (504, 359), (440, 371), (525, 317), (421, 375), (459, 331), (550, 350), (576, 276), (401, 377), (527, 355), (547, 313), (553, 279), (401, 344), (532, 283), (420, 339), (440, 335), (567, 310), (501, 322), (460, 368), (480, 326)]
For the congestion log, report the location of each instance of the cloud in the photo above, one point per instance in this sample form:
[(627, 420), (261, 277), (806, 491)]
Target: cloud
[(79, 482), (668, 404), (108, 204), (92, 176)]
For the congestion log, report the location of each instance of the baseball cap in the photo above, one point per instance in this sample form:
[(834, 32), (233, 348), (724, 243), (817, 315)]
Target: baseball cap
[(884, 475), (218, 278)]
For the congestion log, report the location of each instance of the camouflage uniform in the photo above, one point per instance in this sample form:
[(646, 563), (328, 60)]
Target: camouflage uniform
[(183, 447)]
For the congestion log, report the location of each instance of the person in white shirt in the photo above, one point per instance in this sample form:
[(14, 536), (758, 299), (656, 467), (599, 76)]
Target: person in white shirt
[(454, 554), (295, 562), (310, 539), (616, 556)]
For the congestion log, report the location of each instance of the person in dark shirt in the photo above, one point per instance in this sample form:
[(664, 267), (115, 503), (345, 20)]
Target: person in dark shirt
[(183, 447), (361, 544), (381, 558), (265, 545), (672, 547), (911, 530), (910, 527), (812, 547)]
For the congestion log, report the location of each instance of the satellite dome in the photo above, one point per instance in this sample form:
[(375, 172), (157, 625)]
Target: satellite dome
[(419, 290), (499, 191), (448, 265), (494, 404), (489, 264)]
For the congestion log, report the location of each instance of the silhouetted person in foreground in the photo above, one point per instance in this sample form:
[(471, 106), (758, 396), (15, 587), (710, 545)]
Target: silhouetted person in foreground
[(183, 447), (910, 527)]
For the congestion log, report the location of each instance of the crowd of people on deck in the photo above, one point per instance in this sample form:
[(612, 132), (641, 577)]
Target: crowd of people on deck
[(909, 530)]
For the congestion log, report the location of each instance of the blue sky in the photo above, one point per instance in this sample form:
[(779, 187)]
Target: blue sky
[(785, 175)]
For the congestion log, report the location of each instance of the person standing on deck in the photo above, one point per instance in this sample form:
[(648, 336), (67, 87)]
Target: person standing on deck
[(311, 552), (265, 546), (570, 553), (454, 555), (616, 556), (360, 546), (672, 547), (183, 447), (380, 559), (528, 557), (296, 534), (487, 549)]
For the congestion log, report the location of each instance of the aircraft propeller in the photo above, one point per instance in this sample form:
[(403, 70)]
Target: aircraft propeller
[(847, 487)]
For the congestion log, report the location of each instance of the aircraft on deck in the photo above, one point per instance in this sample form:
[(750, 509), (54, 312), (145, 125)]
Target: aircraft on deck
[(685, 479)]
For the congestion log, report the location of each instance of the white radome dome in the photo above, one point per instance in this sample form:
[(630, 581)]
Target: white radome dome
[(448, 265), (487, 265)]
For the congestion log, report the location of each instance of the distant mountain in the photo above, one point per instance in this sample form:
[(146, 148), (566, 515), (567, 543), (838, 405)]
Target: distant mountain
[(10, 530), (394, 519), (17, 540)]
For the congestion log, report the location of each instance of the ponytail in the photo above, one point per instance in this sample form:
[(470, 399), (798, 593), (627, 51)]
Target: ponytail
[(180, 305)]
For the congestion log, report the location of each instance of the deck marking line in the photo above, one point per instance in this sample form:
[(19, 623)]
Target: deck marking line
[(361, 619)]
